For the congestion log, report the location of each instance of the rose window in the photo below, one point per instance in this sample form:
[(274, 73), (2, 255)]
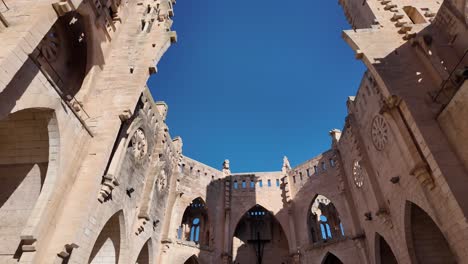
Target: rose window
[(139, 144), (379, 132), (358, 174)]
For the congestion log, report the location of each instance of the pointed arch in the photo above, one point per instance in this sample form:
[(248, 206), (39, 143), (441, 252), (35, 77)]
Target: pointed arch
[(111, 240), (427, 243), (29, 159), (258, 235), (195, 224), (146, 253), (383, 252), (192, 260), (323, 221), (330, 258)]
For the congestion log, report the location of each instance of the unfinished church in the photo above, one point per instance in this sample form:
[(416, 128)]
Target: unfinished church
[(90, 174)]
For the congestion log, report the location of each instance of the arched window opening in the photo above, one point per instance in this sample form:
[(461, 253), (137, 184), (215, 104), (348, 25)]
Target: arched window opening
[(24, 162), (324, 222), (259, 238), (62, 54), (331, 259), (236, 185), (195, 226), (429, 244)]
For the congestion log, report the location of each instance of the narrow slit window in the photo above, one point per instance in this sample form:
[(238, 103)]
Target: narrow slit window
[(260, 183), (244, 185), (269, 183), (236, 185), (277, 183), (308, 172), (252, 184)]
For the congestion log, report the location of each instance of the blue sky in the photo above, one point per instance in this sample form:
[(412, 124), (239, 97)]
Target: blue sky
[(251, 81)]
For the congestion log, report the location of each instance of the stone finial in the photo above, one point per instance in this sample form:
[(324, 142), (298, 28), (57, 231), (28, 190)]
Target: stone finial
[(286, 166), (335, 135), (226, 168)]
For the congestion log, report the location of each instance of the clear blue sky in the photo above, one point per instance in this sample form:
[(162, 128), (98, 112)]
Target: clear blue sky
[(251, 81)]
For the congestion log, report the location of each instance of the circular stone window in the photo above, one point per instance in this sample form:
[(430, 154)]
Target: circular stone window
[(379, 132), (139, 144), (358, 174)]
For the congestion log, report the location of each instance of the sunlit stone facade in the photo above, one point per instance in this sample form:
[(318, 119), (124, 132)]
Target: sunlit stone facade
[(90, 174)]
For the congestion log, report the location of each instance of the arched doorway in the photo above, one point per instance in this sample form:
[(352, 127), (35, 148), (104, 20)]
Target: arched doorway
[(323, 221), (107, 248), (331, 259), (195, 225), (429, 244), (259, 239), (192, 260), (24, 163), (383, 251)]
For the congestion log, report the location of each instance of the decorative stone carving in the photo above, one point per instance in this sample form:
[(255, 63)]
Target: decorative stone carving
[(162, 179), (379, 132), (358, 174), (423, 175), (110, 182), (226, 168), (139, 144)]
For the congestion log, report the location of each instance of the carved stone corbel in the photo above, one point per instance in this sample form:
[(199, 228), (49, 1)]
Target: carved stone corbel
[(109, 183), (423, 175), (390, 103)]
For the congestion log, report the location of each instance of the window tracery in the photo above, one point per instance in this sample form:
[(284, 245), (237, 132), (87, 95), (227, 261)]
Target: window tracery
[(324, 221)]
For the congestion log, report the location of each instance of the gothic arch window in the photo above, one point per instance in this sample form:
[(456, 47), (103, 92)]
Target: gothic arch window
[(429, 245), (324, 223), (195, 225), (62, 53)]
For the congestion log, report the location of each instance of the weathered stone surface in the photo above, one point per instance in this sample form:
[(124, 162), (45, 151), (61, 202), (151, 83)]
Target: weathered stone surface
[(90, 174)]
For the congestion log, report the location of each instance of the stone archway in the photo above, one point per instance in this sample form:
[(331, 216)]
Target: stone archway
[(383, 251), (108, 245), (428, 244), (331, 259), (259, 238), (25, 164)]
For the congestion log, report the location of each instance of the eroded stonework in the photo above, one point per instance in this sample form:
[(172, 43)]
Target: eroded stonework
[(90, 174)]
